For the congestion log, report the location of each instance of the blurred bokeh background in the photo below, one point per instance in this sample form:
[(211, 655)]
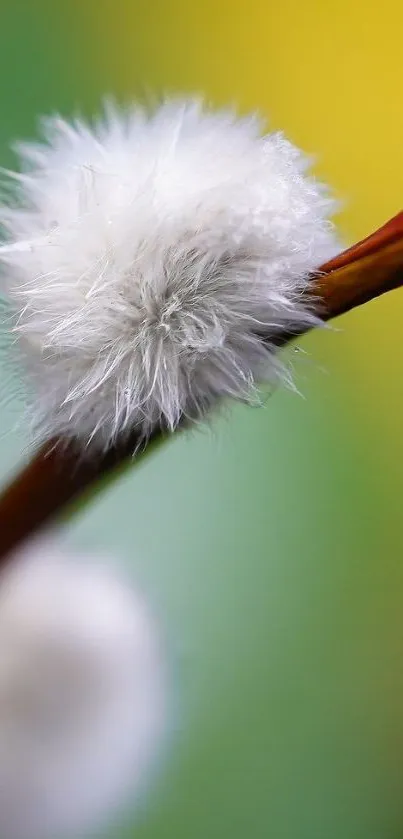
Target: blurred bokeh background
[(271, 543)]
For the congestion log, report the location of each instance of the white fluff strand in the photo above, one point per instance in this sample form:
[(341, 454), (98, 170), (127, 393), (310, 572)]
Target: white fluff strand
[(152, 258), (82, 699)]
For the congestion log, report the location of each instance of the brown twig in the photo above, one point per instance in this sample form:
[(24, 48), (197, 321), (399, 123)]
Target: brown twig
[(58, 475)]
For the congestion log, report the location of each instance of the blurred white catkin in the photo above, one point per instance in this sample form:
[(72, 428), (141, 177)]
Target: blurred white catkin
[(82, 694)]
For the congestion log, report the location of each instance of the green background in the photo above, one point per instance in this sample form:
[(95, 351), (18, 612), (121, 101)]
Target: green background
[(271, 542)]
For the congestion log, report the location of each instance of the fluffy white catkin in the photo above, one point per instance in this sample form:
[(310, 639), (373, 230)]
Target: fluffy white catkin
[(152, 258), (82, 699)]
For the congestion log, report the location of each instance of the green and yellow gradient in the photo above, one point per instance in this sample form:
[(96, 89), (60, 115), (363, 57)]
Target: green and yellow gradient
[(271, 543)]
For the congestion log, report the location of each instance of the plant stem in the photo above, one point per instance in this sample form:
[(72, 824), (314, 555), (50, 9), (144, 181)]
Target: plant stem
[(59, 475)]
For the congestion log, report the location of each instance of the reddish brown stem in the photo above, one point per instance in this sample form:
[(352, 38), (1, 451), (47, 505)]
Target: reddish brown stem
[(52, 479), (389, 233), (364, 272), (58, 475)]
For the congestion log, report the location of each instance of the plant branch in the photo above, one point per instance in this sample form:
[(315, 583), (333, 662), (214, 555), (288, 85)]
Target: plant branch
[(58, 474)]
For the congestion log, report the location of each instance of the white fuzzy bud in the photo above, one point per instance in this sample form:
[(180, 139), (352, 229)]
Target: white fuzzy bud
[(81, 694), (152, 260)]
